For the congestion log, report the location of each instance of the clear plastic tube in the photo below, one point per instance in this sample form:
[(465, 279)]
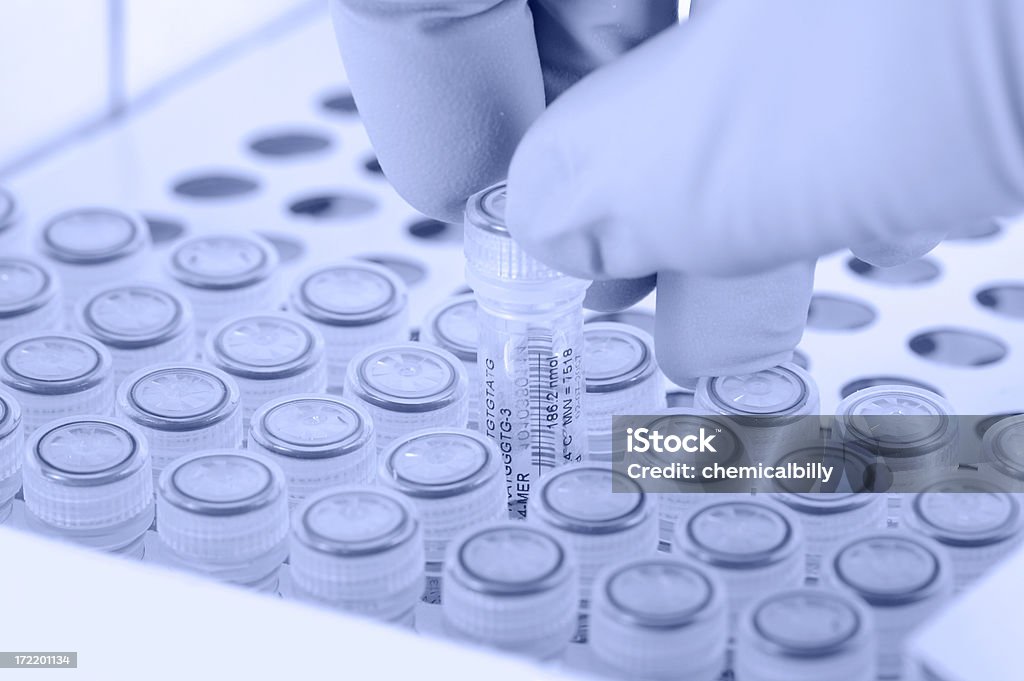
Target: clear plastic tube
[(530, 351), (11, 435)]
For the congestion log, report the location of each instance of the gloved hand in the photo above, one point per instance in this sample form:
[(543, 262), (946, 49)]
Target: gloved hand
[(724, 154)]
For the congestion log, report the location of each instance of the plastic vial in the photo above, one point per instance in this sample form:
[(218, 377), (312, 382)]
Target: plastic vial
[(224, 513), (452, 325), (181, 409), (407, 387), (269, 356), (512, 586), (53, 375), (88, 480), (622, 378), (601, 515), (774, 407), (356, 305), (977, 524), (11, 437), (807, 634), (912, 430), (531, 382), (661, 618), (358, 549), (454, 480), (224, 275), (904, 579), (9, 223), (1003, 452), (90, 247), (319, 441), (140, 324), (753, 545), (30, 297)]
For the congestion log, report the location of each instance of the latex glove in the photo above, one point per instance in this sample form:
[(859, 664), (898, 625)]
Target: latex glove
[(758, 135)]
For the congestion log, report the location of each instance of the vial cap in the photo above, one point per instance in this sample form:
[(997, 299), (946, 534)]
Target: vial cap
[(134, 316), (352, 293), (10, 414), (175, 397), (265, 346), (54, 364), (1003, 445), (453, 326), (965, 518), (852, 463), (91, 236), (355, 521), (738, 534), (729, 446), (222, 483), (869, 416), (440, 463), (580, 499), (779, 391), (223, 261), (808, 622), (311, 427), (510, 560), (618, 356), (407, 377), (889, 569), (25, 286), (660, 593)]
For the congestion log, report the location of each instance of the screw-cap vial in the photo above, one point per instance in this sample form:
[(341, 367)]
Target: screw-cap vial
[(749, 543), (806, 634), (181, 409), (408, 387), (319, 441), (30, 297), (660, 617), (87, 479), (11, 436), (513, 586), (359, 549), (140, 324), (89, 247), (269, 356), (224, 513), (53, 375), (1003, 451), (356, 305), (453, 326), (224, 274), (903, 577), (622, 378)]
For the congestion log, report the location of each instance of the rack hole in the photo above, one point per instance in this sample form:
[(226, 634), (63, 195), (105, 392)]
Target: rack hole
[(372, 165), (288, 249), (834, 313), (1006, 300), (336, 206), (982, 230), (912, 273), (215, 186), (340, 102), (958, 347), (163, 230), (285, 144), (408, 270)]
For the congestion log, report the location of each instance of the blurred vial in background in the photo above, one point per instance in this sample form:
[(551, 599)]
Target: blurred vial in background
[(807, 634), (622, 378), (356, 305), (30, 297), (753, 545), (88, 480), (531, 384), (511, 586), (140, 325), (978, 524), (774, 407), (224, 514), (181, 409), (90, 247), (452, 325), (269, 356), (223, 275), (407, 387), (659, 618), (53, 375), (454, 480), (913, 430), (1003, 453), (600, 515), (319, 441), (11, 237), (358, 549), (11, 440), (904, 578)]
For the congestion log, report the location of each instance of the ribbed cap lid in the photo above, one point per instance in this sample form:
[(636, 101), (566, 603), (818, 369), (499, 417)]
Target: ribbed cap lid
[(53, 363), (266, 347), (26, 285), (92, 236), (452, 325), (133, 316), (890, 569), (349, 293), (896, 420), (87, 472), (1003, 446), (784, 390), (222, 262), (178, 397)]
